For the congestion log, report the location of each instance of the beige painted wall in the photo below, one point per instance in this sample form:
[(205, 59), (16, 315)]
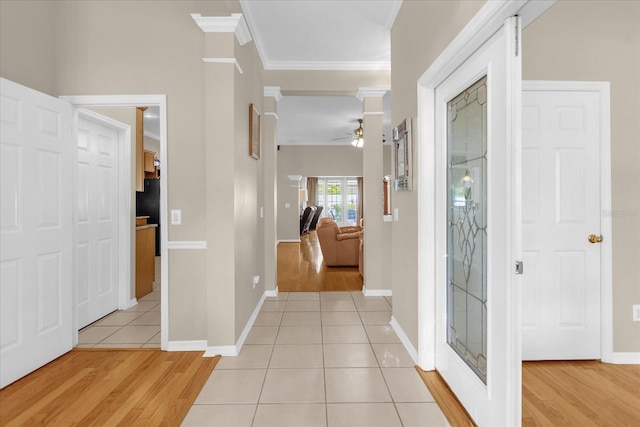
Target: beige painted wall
[(600, 41), (432, 26), (249, 192), (141, 47), (27, 44), (312, 160)]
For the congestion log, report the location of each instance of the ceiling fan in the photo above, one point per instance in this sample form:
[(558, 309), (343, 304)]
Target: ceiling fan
[(356, 136)]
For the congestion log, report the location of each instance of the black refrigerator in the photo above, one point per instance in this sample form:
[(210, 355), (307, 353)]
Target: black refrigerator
[(148, 204)]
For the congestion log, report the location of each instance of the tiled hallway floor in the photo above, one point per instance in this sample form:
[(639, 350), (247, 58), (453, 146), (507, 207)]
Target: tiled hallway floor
[(137, 327), (318, 359)]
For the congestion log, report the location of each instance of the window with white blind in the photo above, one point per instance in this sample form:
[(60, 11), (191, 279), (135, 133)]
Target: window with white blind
[(339, 196)]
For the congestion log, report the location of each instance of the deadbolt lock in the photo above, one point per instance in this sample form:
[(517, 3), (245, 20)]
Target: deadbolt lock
[(594, 239)]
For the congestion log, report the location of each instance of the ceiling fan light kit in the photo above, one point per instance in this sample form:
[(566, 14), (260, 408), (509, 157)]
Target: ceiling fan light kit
[(358, 134)]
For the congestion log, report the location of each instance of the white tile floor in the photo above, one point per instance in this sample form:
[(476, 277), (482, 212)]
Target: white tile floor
[(318, 359), (137, 327)]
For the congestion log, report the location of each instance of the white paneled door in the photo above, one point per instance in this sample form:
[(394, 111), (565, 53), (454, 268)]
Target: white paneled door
[(561, 209), (36, 230), (96, 219)]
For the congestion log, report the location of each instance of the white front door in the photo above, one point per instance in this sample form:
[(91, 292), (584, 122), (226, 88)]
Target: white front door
[(96, 218), (36, 230), (477, 230), (561, 208)]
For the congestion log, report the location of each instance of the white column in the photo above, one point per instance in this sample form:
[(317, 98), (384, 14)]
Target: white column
[(270, 179), (375, 247)]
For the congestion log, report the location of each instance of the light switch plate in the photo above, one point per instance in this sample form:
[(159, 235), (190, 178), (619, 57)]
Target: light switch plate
[(176, 216), (636, 312)]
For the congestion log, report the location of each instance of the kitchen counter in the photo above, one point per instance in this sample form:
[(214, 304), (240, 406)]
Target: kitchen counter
[(145, 226)]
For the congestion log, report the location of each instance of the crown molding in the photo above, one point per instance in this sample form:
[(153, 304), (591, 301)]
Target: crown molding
[(273, 91), (370, 92), (328, 65), (225, 24), (233, 61), (395, 8)]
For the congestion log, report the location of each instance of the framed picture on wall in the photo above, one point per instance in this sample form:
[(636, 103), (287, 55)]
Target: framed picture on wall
[(254, 132), (402, 162)]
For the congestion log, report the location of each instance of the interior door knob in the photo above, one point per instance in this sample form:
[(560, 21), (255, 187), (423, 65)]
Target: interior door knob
[(594, 239)]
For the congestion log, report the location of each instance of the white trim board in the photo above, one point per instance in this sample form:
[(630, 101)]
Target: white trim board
[(376, 292), (234, 350), (233, 61), (404, 339), (625, 358), (186, 244), (134, 101)]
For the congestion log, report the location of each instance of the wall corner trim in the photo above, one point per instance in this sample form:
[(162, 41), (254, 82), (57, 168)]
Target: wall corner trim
[(225, 24), (623, 358), (376, 292), (233, 61), (273, 91), (195, 345), (222, 350), (404, 339), (184, 244), (271, 293), (370, 92)]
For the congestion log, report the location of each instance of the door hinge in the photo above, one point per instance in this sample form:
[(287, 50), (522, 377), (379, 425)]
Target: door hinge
[(517, 38), (519, 267)]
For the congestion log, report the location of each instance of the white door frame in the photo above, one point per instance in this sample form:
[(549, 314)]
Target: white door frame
[(160, 101), (606, 247), (123, 209), (481, 27)]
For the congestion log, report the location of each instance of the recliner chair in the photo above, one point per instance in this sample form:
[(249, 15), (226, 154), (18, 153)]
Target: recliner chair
[(340, 246)]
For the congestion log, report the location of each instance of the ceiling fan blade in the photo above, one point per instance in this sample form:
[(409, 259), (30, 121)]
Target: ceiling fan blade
[(344, 137)]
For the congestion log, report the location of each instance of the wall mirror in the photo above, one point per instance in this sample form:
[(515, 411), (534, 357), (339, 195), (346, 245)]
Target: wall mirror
[(402, 163)]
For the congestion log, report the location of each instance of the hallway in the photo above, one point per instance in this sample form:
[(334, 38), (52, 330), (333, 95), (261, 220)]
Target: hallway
[(318, 359)]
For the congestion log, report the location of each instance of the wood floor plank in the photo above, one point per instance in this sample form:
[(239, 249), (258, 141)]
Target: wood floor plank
[(301, 268), (108, 387)]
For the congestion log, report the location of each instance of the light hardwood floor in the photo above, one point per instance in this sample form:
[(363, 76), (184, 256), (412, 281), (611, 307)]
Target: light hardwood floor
[(301, 269), (141, 387)]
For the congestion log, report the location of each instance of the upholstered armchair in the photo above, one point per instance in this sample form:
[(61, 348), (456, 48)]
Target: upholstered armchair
[(340, 246)]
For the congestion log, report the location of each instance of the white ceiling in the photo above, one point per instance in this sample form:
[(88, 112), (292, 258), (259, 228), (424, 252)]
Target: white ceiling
[(322, 35), (320, 120)]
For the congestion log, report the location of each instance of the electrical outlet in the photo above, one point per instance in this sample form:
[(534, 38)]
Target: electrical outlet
[(261, 212), (256, 280), (636, 312)]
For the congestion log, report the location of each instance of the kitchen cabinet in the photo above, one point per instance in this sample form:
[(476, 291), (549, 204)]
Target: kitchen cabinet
[(145, 257)]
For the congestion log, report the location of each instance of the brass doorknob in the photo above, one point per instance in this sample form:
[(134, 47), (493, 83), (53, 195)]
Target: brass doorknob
[(594, 239)]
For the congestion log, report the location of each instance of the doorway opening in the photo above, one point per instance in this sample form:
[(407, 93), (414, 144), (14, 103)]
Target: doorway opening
[(158, 102)]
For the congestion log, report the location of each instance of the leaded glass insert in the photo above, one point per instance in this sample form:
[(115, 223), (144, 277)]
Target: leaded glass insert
[(467, 226)]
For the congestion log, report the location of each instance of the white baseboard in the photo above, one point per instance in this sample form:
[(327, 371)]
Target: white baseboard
[(196, 345), (376, 292), (132, 303), (404, 339), (626, 358), (289, 241), (222, 350), (271, 293), (234, 350), (249, 325)]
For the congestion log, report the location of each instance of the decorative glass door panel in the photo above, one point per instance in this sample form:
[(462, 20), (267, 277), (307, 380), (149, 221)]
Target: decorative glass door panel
[(467, 226)]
